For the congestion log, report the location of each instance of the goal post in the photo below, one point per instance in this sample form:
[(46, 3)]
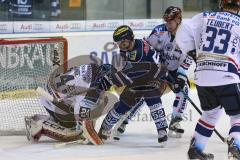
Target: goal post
[(26, 64)]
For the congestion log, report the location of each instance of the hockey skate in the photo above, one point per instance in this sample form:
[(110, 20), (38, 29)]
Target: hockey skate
[(33, 130), (195, 154), (175, 129), (233, 150), (162, 137)]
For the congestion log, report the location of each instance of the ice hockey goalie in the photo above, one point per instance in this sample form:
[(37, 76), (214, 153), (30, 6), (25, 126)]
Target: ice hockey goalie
[(73, 100)]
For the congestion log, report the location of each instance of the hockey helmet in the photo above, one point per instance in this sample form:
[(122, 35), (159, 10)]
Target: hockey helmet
[(171, 13), (229, 4), (123, 32)]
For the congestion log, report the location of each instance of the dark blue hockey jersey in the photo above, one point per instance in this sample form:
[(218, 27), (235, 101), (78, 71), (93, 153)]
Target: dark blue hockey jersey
[(141, 53)]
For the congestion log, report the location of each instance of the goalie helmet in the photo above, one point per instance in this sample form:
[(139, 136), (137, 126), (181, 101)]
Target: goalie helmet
[(123, 32), (171, 13), (229, 4)]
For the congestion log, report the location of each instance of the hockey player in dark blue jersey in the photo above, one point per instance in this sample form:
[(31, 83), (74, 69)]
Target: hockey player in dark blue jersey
[(136, 51), (162, 39)]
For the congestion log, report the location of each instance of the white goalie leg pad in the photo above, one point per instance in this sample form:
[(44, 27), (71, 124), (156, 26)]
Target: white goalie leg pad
[(39, 125), (34, 126), (60, 133)]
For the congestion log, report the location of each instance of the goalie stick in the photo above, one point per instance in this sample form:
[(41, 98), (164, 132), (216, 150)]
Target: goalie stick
[(64, 144)]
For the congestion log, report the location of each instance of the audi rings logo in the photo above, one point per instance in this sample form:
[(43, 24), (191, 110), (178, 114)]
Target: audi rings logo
[(110, 46), (3, 27)]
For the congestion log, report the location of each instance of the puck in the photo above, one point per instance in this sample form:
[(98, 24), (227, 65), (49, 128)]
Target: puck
[(116, 138)]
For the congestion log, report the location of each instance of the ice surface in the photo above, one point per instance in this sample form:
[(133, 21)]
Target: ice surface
[(139, 142)]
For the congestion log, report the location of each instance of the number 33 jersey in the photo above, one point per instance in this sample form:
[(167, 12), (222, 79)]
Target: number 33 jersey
[(216, 38)]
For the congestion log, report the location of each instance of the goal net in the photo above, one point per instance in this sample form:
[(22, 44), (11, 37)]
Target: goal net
[(25, 64)]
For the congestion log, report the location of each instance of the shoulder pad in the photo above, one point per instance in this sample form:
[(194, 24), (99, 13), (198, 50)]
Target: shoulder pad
[(160, 28)]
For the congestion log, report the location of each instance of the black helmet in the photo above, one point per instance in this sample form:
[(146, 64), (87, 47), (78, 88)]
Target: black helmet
[(230, 4), (123, 32), (172, 13)]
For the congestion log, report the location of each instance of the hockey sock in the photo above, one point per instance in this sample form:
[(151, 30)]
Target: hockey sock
[(180, 103), (114, 115), (235, 129), (205, 127), (157, 113)]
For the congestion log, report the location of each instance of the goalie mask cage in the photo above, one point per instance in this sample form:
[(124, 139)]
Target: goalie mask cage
[(25, 64)]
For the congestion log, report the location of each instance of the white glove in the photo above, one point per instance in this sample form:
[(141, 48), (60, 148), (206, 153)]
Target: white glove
[(155, 42)]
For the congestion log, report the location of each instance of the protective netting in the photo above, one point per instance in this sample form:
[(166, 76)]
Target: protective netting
[(25, 65)]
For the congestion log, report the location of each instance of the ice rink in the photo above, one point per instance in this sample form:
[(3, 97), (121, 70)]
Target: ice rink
[(139, 142)]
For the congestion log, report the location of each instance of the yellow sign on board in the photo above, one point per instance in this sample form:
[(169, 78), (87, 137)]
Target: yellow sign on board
[(74, 3)]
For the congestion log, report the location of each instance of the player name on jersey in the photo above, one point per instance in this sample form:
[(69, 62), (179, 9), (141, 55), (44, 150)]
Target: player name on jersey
[(216, 23)]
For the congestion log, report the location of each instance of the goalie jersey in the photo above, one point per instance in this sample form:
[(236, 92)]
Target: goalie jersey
[(75, 80), (72, 89), (216, 38)]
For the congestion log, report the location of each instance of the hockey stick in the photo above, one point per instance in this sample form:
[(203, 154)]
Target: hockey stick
[(122, 119), (118, 124)]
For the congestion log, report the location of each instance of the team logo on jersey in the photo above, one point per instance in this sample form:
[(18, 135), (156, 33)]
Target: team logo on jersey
[(132, 55), (169, 47), (209, 14)]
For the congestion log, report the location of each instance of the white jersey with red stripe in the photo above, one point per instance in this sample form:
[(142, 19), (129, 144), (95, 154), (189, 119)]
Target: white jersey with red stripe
[(216, 38), (170, 54)]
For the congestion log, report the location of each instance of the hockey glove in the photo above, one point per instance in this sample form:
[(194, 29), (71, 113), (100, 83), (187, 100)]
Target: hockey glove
[(155, 41), (179, 82), (104, 83)]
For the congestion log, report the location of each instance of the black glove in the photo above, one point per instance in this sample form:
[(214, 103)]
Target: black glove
[(179, 83), (103, 83)]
